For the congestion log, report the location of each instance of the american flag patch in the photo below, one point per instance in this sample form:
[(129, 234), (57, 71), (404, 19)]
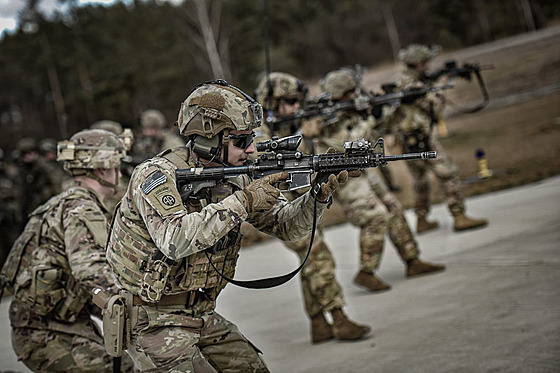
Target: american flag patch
[(156, 179)]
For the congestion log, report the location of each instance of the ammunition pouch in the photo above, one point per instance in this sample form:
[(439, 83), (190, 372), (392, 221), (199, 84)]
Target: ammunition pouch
[(416, 141), (119, 318)]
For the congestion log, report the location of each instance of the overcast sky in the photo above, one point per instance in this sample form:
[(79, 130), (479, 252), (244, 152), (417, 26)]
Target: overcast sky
[(9, 10)]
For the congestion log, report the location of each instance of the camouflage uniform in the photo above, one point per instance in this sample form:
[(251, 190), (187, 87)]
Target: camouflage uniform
[(148, 146), (158, 246), (367, 201), (56, 174), (322, 292), (54, 267), (414, 125), (34, 186)]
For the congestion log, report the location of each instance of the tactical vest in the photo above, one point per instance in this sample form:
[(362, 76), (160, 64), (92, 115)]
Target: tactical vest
[(143, 269), (38, 273)]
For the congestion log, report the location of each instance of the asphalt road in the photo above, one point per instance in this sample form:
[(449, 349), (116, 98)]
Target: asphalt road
[(495, 309)]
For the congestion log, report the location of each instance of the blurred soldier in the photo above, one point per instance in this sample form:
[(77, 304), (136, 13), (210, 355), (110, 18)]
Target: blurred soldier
[(367, 202), (33, 184), (54, 170), (155, 136), (8, 209), (59, 260), (108, 125), (161, 248), (280, 94), (414, 125)]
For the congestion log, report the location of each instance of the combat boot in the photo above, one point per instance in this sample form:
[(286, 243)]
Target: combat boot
[(463, 222), (417, 267), (423, 225), (344, 329), (370, 281), (321, 330)]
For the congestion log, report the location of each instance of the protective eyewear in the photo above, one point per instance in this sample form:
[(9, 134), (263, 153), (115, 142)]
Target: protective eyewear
[(242, 141), (291, 101)]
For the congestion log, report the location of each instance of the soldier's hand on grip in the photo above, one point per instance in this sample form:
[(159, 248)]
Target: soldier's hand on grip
[(261, 194), (327, 189)]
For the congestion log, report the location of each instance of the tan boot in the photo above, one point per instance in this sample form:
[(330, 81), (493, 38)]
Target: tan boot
[(417, 267), (463, 222), (370, 281), (423, 225), (345, 329), (321, 330)]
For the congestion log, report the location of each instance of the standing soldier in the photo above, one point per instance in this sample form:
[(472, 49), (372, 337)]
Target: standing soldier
[(161, 248), (280, 94), (155, 137), (33, 184), (47, 160), (414, 130), (8, 209), (367, 202), (59, 260)]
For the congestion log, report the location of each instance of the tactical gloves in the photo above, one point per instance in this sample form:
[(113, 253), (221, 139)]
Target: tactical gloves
[(261, 194), (327, 188)]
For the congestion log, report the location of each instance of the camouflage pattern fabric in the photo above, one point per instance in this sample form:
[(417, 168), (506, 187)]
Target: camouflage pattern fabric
[(367, 202), (415, 119), (418, 53), (446, 172), (51, 351), (146, 147), (74, 224), (321, 290), (153, 220), (173, 339)]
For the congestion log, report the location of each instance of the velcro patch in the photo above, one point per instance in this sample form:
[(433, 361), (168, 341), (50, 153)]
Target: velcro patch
[(152, 182)]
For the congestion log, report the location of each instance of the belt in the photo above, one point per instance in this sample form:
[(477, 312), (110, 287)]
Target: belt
[(183, 299)]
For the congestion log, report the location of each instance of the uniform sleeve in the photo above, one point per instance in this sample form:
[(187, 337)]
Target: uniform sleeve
[(176, 232), (289, 221), (85, 233)]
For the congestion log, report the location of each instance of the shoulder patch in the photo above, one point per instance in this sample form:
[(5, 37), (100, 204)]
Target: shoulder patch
[(152, 182)]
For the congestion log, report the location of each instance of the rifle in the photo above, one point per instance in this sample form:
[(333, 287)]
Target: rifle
[(324, 106), (281, 155), (453, 71)]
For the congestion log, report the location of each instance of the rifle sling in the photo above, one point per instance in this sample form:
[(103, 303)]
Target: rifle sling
[(270, 282)]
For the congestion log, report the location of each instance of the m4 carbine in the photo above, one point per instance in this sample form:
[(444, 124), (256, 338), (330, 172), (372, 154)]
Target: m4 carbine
[(281, 155), (453, 70), (324, 106)]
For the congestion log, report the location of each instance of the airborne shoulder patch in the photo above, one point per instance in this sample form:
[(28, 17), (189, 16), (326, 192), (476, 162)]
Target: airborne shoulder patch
[(153, 181)]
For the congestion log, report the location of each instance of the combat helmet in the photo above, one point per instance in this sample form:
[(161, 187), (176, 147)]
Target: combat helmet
[(108, 125), (26, 144), (47, 145), (91, 149), (338, 82), (418, 53), (152, 118), (277, 85), (210, 111)]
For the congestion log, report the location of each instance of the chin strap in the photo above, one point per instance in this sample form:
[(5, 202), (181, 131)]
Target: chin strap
[(103, 182)]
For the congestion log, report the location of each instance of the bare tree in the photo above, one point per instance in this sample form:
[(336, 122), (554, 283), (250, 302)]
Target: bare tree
[(391, 28)]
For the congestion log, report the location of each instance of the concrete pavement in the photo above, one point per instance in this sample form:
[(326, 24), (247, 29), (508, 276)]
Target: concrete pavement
[(495, 309)]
